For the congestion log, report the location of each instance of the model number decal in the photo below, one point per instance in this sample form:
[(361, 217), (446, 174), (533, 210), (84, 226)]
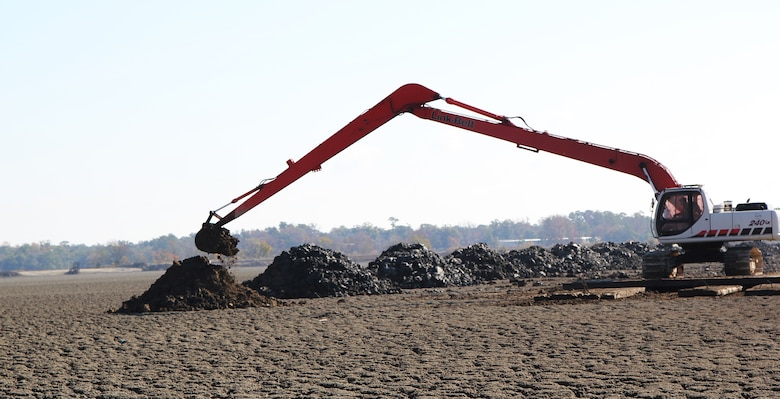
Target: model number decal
[(760, 222)]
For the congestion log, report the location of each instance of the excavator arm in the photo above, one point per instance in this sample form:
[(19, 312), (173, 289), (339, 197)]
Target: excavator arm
[(405, 99), (502, 128), (413, 98)]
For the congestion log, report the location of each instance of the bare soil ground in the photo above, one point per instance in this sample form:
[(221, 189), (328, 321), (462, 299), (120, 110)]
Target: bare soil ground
[(57, 339)]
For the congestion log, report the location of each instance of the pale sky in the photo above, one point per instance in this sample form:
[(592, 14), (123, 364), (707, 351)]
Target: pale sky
[(132, 120)]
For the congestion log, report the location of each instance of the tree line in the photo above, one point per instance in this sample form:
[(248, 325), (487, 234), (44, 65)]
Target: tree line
[(364, 241)]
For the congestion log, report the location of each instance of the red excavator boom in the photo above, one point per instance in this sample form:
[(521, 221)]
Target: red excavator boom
[(413, 98)]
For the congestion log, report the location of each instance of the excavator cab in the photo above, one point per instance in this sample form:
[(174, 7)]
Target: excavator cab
[(678, 210)]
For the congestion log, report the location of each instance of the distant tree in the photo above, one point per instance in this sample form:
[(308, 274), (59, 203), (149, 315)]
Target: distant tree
[(558, 227), (255, 248), (160, 257), (422, 236), (119, 253), (325, 241), (393, 221), (365, 239), (508, 229), (637, 227), (609, 226)]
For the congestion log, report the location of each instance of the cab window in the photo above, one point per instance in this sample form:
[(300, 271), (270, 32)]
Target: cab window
[(678, 212)]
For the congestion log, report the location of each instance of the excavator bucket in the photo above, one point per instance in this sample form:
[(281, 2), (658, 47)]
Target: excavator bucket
[(216, 240)]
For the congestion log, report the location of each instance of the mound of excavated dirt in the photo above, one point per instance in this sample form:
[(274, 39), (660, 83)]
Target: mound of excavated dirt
[(195, 284), (308, 271), (534, 261), (575, 260), (482, 263), (485, 264), (623, 256), (415, 266)]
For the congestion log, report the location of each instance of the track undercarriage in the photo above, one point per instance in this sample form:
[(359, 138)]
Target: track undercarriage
[(669, 262)]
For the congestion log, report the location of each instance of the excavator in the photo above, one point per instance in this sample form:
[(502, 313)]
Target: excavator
[(689, 227)]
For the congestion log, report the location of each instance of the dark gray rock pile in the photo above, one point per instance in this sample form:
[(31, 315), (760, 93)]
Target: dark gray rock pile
[(309, 271), (534, 261), (622, 256), (415, 266), (576, 260), (482, 263)]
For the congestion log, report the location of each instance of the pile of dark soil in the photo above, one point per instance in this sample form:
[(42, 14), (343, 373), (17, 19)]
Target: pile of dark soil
[(482, 263), (308, 271), (195, 284), (623, 256), (576, 260), (415, 266)]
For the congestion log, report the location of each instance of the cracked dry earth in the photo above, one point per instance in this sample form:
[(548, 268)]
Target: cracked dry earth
[(489, 341)]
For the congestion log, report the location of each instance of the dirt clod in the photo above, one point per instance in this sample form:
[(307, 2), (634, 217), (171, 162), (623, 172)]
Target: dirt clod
[(216, 240)]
